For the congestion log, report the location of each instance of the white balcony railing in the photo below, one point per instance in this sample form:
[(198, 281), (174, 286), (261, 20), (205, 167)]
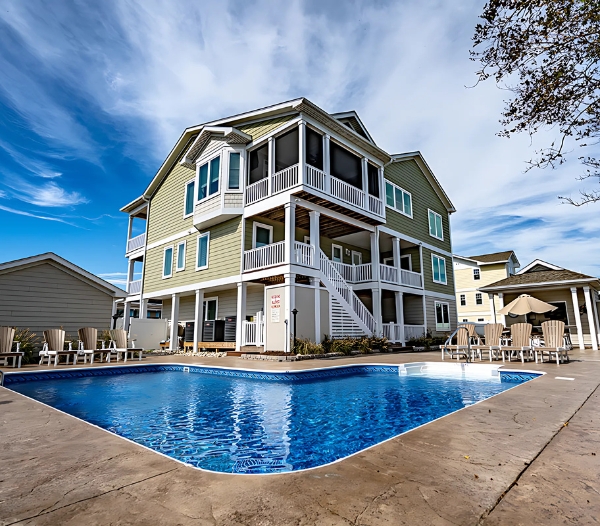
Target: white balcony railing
[(304, 254), (284, 179), (393, 332), (411, 279), (354, 273), (375, 205), (253, 333), (413, 331), (257, 191), (264, 257), (315, 178), (134, 287), (388, 274), (136, 242), (347, 193)]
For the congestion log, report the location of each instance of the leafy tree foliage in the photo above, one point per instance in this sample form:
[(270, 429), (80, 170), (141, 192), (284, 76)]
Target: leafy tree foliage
[(547, 53)]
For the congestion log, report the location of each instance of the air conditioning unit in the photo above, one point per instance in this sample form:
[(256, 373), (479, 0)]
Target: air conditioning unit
[(230, 326), (213, 331)]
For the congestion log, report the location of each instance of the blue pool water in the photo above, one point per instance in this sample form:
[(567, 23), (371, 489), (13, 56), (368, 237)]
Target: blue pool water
[(259, 424)]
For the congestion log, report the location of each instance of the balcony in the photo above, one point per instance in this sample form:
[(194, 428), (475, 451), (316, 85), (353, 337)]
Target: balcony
[(135, 243), (218, 208), (274, 254), (313, 179), (134, 287), (389, 274)]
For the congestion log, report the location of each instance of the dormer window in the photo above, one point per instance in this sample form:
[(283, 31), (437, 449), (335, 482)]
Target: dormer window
[(208, 177)]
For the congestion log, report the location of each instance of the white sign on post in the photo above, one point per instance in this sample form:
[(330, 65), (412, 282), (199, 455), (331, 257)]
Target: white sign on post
[(275, 307)]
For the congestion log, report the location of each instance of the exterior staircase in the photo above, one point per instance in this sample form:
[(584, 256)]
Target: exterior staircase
[(349, 315)]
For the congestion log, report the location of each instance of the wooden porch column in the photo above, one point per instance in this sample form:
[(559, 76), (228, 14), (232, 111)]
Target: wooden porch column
[(396, 255), (290, 232), (316, 283), (375, 254), (143, 308), (365, 180), (314, 234), (376, 295), (270, 164), (242, 292), (399, 299), (577, 317), (327, 164), (174, 346), (301, 152), (590, 316), (198, 319), (130, 270)]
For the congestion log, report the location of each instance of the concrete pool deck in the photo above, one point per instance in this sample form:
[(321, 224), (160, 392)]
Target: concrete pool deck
[(508, 460)]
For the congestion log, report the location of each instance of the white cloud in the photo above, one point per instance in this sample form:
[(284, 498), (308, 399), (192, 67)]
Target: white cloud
[(37, 216), (48, 194)]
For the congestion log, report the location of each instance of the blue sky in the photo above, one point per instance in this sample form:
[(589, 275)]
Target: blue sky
[(93, 95)]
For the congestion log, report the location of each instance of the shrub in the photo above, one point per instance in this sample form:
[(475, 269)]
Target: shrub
[(305, 346), (363, 344), (29, 341)]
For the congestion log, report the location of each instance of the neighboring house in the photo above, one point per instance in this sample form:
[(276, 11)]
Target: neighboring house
[(473, 272), (289, 207), (48, 292), (575, 295)]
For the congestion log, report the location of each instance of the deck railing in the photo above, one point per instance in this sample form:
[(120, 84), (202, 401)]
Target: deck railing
[(411, 279), (375, 205), (284, 179), (315, 178), (393, 332), (136, 242), (304, 254), (134, 287), (264, 257), (354, 273), (388, 273), (257, 191), (413, 331), (253, 333), (347, 193)]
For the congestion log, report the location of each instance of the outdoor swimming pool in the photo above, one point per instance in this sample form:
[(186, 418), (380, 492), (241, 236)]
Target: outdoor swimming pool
[(236, 421)]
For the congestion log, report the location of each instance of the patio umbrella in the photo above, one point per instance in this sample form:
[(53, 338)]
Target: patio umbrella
[(525, 304)]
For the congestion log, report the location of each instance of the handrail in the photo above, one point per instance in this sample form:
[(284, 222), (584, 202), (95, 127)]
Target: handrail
[(449, 341), (1, 378)]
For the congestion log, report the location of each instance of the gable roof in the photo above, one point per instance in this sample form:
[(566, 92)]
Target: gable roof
[(494, 257), (539, 263), (351, 119), (431, 178), (300, 105), (56, 260), (542, 278)]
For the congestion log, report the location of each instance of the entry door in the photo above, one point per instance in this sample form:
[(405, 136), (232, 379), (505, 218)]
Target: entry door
[(209, 310), (356, 258)]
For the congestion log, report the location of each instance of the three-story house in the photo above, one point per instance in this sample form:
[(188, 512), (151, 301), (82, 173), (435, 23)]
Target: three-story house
[(290, 208)]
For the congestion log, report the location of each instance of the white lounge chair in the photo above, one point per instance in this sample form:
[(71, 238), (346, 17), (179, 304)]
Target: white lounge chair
[(520, 334), (119, 346), (88, 344), (7, 336), (493, 341), (554, 342), (54, 347), (464, 335)]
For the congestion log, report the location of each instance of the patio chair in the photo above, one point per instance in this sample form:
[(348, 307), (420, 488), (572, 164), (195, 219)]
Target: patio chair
[(493, 341), (554, 341), (463, 337), (119, 345), (520, 334), (54, 347), (88, 344), (7, 336)]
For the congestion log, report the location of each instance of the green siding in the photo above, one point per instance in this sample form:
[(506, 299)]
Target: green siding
[(428, 273), (166, 206), (223, 258), (262, 128), (409, 176)]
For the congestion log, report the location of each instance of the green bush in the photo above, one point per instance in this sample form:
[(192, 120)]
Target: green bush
[(364, 344), (28, 343), (305, 346)]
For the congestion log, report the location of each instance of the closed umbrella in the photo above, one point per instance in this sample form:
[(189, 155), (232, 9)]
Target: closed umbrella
[(525, 304)]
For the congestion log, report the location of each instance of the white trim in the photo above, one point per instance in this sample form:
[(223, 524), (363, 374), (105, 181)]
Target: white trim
[(208, 162), (170, 247), (409, 256), (191, 181), (388, 261), (352, 253), (477, 271), (205, 310), (443, 325), (566, 308), (480, 294), (207, 236), (414, 240), (333, 246), (555, 284), (435, 214), (171, 239), (445, 270), (539, 262), (461, 298), (432, 294), (184, 243), (394, 208), (227, 170), (255, 225), (307, 240)]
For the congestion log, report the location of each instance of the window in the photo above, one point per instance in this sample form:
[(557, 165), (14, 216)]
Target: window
[(336, 253), (202, 251), (189, 198), (208, 177), (435, 225), (357, 258), (463, 301), (286, 149), (439, 269), (442, 316), (261, 235), (259, 164), (210, 309), (314, 149), (388, 261), (234, 171), (406, 262), (478, 299), (373, 179), (480, 319), (345, 165), (465, 319), (180, 256), (168, 262), (476, 273), (559, 314), (398, 199)]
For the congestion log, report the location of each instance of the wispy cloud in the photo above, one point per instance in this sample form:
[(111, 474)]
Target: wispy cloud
[(48, 194), (37, 216)]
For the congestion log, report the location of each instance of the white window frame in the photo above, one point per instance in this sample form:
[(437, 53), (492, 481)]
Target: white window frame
[(199, 164), (429, 212), (409, 261), (256, 224), (194, 196), (184, 243), (442, 326), (207, 235), (165, 276), (359, 254), (445, 268), (334, 246), (229, 151), (307, 240), (388, 261), (205, 310), (477, 272), (463, 300), (394, 208), (478, 298)]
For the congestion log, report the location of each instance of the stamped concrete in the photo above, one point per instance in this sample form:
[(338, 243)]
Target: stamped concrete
[(507, 460)]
